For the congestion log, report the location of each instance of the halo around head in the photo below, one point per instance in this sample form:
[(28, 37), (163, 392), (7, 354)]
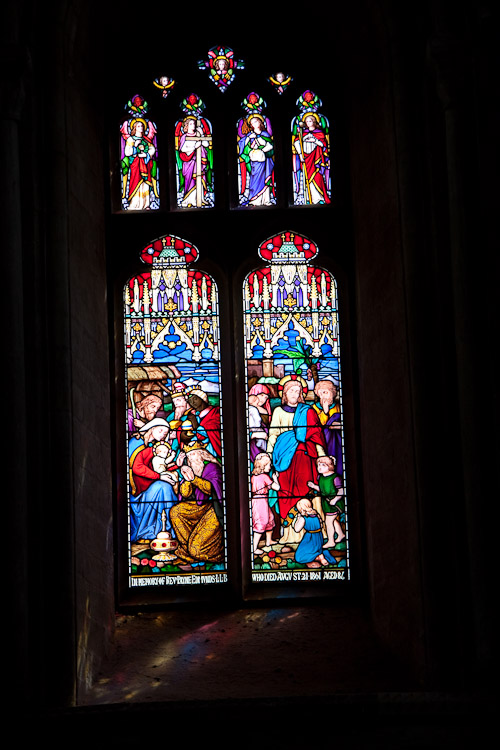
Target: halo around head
[(292, 378)]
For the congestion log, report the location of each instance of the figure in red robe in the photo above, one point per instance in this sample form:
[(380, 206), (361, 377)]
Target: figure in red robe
[(296, 439), (139, 168), (208, 420), (312, 161)]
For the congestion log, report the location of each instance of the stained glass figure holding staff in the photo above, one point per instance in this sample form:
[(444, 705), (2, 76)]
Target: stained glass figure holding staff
[(194, 156)]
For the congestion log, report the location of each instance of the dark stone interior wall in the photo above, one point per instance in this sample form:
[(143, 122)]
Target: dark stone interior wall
[(61, 530), (390, 490), (91, 376), (425, 455)]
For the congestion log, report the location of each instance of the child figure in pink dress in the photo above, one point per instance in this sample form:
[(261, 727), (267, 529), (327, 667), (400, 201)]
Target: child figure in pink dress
[(262, 517)]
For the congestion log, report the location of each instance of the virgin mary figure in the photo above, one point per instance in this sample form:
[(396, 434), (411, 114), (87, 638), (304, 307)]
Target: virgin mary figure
[(256, 150)]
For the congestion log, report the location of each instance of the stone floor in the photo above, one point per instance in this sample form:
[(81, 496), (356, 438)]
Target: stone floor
[(287, 651), (283, 677)]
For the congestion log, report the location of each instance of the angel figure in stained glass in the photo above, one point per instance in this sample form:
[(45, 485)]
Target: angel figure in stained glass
[(280, 81), (165, 84), (311, 163), (193, 139), (139, 166), (256, 161), (221, 65)]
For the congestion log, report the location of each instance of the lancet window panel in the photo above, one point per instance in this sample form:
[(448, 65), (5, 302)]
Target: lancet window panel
[(310, 153), (194, 156), (297, 485), (193, 148), (139, 158), (176, 515), (256, 175)]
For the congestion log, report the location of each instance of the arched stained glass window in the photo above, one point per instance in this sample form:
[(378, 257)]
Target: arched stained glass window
[(194, 156), (310, 153), (139, 159), (256, 183), (296, 467), (286, 414), (176, 507)]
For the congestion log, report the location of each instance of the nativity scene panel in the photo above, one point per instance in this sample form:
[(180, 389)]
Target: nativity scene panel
[(176, 494)]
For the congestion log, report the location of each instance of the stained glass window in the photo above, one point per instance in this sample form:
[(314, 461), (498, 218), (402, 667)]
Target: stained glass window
[(176, 496), (139, 158), (221, 65), (165, 84), (194, 156), (296, 469), (256, 185), (260, 162), (280, 81), (310, 153), (291, 489)]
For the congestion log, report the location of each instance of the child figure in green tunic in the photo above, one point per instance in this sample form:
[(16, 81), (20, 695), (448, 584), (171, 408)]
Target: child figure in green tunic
[(332, 499)]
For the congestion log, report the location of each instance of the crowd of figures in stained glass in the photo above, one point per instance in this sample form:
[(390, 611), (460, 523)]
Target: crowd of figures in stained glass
[(176, 508), (296, 467), (308, 158)]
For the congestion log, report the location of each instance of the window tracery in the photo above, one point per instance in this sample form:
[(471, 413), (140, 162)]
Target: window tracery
[(221, 65)]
